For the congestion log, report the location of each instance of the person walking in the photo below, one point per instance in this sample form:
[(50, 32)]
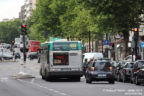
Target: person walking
[(85, 66)]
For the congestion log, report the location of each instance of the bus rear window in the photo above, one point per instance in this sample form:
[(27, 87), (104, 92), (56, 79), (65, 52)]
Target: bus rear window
[(65, 46), (60, 59)]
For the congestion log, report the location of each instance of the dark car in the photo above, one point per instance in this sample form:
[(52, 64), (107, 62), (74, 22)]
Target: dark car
[(32, 55), (137, 75), (125, 71), (100, 70), (17, 56)]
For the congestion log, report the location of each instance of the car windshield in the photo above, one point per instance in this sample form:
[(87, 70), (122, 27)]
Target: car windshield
[(102, 66)]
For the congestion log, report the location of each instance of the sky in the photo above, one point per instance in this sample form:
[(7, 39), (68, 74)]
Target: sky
[(10, 8)]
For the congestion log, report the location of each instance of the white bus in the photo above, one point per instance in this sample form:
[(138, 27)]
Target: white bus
[(61, 59)]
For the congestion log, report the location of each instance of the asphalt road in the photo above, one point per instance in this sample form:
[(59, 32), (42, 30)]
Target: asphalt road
[(9, 86)]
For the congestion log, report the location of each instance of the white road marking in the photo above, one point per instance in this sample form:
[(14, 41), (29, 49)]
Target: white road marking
[(63, 94), (50, 89), (3, 79), (33, 80)]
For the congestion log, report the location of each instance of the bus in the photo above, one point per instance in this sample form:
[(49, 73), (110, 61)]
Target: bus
[(61, 59)]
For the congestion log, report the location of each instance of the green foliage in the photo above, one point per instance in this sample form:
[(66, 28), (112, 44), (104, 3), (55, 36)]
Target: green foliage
[(9, 30), (75, 18)]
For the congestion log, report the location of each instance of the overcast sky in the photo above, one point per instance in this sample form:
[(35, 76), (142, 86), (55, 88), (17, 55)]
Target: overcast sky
[(10, 8)]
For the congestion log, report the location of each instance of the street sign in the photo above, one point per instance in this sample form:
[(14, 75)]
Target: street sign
[(142, 44), (106, 42)]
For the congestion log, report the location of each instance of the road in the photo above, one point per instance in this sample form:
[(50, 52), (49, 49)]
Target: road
[(9, 86)]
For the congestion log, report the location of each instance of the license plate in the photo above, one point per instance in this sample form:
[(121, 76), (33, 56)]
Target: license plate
[(65, 69), (101, 75)]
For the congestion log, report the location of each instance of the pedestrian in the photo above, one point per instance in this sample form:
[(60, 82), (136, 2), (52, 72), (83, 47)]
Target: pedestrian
[(84, 66)]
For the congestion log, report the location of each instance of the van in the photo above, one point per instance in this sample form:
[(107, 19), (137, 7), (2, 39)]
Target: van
[(96, 55)]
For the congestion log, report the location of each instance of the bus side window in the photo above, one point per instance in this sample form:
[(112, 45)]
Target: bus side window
[(48, 55)]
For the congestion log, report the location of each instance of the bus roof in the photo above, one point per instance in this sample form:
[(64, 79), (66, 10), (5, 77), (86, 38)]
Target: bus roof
[(58, 41), (48, 43)]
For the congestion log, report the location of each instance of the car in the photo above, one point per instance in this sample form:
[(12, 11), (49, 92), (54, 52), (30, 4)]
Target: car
[(6, 55), (137, 75), (100, 70), (32, 55), (129, 58), (89, 56), (125, 71)]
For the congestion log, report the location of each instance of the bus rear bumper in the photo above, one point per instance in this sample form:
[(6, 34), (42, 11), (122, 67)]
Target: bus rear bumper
[(66, 74)]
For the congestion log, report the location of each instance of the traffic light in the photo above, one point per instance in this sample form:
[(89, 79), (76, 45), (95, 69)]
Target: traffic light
[(23, 29), (135, 29), (136, 34)]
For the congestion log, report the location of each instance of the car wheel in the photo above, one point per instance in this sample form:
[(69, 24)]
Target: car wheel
[(124, 78), (136, 81), (47, 77), (118, 78), (77, 78), (111, 82), (88, 80), (43, 77), (131, 80)]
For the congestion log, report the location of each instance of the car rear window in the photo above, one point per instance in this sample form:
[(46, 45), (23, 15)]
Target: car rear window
[(102, 65)]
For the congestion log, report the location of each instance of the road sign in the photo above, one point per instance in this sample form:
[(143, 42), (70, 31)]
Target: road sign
[(142, 44), (106, 42)]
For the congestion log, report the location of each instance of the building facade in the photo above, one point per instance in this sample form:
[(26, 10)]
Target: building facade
[(26, 9)]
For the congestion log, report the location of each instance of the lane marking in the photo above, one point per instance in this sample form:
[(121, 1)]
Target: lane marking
[(32, 81), (3, 79), (50, 89)]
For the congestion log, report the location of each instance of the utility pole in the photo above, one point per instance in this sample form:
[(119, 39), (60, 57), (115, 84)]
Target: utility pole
[(102, 45), (106, 49), (96, 45), (136, 38), (89, 42), (24, 33)]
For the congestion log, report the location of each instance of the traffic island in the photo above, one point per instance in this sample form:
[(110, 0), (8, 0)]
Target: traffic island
[(22, 75)]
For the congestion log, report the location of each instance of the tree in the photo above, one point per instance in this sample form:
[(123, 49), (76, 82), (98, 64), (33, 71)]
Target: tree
[(9, 30), (122, 15)]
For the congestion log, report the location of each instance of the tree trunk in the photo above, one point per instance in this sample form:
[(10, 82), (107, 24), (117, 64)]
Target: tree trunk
[(126, 50)]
